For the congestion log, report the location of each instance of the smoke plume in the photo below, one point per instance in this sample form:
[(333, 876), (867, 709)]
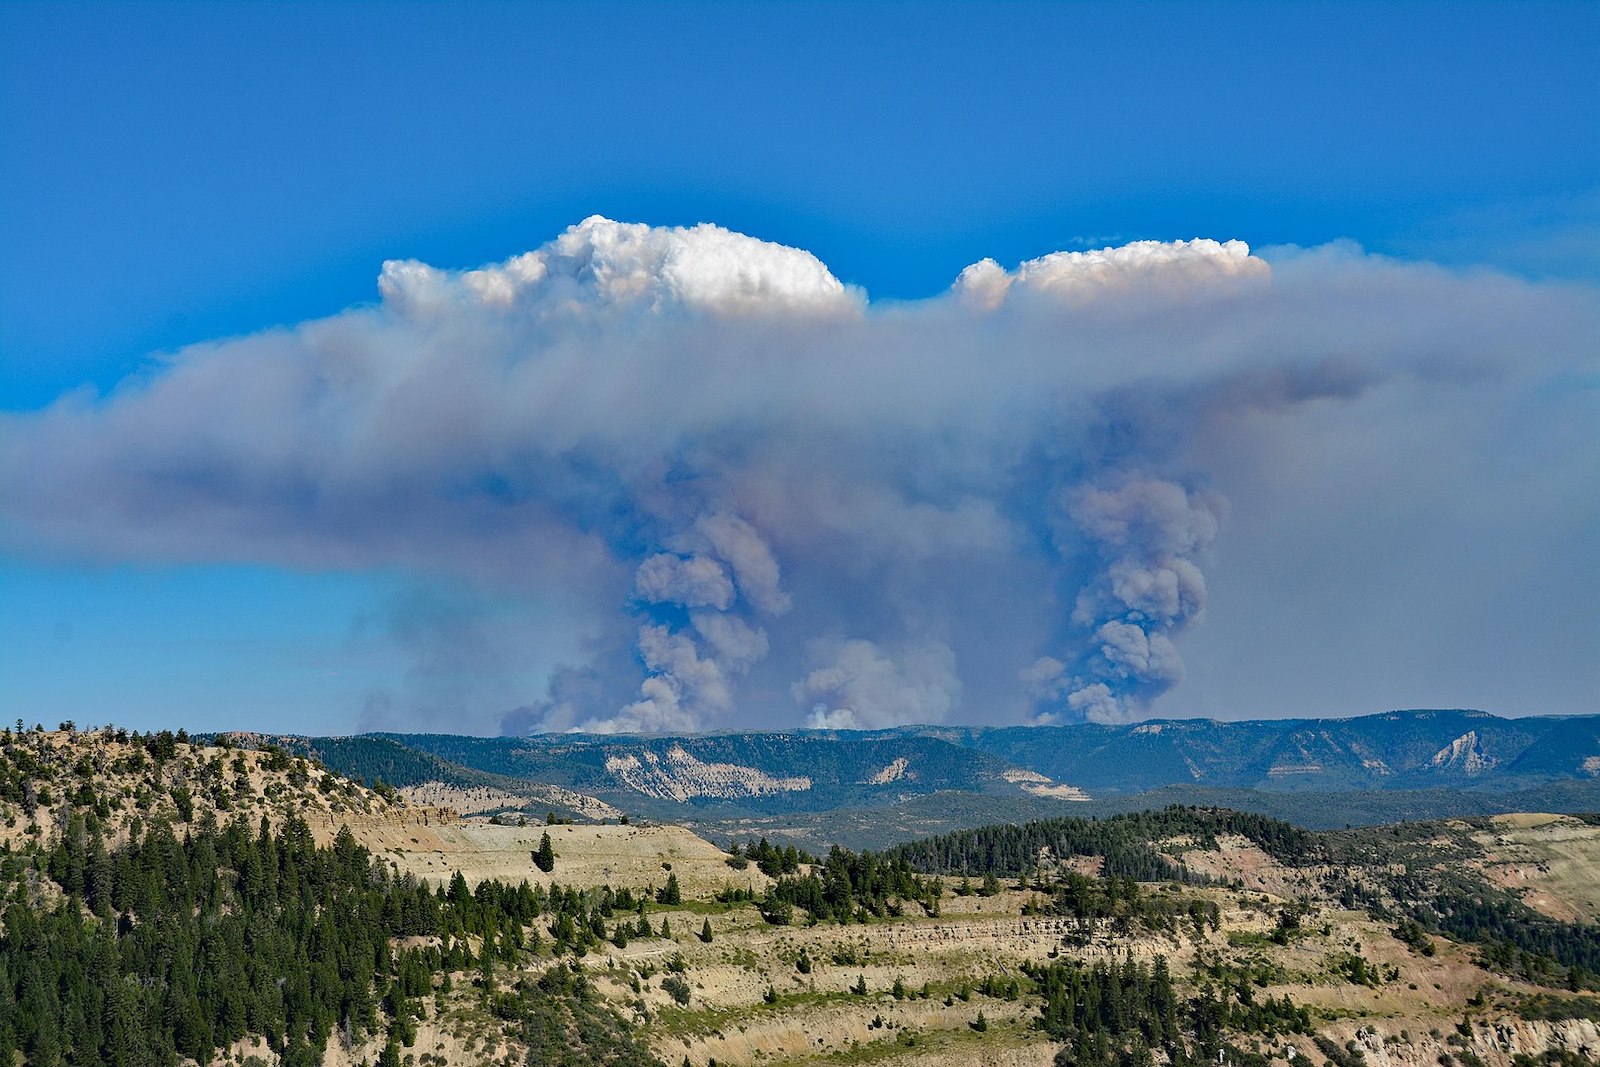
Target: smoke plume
[(753, 497)]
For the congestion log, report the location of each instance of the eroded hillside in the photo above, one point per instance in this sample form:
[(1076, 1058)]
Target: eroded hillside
[(46, 776)]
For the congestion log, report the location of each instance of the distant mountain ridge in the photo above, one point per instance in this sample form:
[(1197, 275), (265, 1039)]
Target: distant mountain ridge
[(771, 773), (1393, 750), (762, 772)]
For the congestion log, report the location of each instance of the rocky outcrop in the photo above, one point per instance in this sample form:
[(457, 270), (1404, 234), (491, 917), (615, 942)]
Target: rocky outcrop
[(1464, 754), (1038, 785), (1494, 1041), (892, 773), (680, 776)]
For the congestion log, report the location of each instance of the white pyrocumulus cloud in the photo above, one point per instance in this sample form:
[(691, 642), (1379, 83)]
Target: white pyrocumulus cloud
[(755, 498), (600, 266), (1168, 267)]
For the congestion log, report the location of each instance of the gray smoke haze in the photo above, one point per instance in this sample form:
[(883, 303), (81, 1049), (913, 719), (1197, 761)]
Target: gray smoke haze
[(753, 497)]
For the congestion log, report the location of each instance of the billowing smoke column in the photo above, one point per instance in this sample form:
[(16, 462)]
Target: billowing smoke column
[(692, 669), (1146, 538), (734, 493)]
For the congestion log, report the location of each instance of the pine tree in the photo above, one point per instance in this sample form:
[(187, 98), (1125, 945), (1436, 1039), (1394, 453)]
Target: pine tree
[(670, 893), (545, 857)]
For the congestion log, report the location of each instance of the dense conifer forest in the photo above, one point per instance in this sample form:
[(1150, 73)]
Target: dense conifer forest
[(180, 946), (1118, 1014), (852, 886)]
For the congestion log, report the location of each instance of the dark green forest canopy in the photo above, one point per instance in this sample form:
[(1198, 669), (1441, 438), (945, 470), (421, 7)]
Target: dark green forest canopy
[(1118, 1012), (1126, 843), (171, 947)]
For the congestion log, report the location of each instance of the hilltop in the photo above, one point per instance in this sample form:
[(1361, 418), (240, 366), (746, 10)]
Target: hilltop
[(127, 779)]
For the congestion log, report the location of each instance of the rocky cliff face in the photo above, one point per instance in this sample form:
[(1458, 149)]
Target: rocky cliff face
[(680, 776), (1465, 754), (1494, 1041), (895, 771)]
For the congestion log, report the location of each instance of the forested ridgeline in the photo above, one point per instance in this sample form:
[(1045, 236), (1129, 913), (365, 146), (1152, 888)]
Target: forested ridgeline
[(175, 946), (1415, 871), (378, 761), (860, 887), (1126, 844), (850, 886)]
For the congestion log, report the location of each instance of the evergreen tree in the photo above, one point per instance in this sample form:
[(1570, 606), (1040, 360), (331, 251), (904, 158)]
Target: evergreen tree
[(545, 857), (670, 893)]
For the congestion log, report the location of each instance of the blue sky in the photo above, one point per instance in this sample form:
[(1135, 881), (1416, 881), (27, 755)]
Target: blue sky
[(180, 173)]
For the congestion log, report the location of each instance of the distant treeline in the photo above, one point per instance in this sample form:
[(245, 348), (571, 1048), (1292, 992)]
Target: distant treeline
[(1125, 843), (850, 886), (371, 760)]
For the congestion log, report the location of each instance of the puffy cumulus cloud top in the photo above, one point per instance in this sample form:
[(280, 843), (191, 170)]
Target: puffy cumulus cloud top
[(720, 490), (604, 264), (1143, 267)]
